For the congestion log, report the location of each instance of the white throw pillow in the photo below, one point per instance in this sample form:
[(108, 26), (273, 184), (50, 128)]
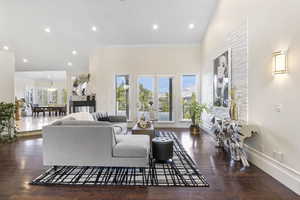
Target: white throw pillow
[(83, 116)]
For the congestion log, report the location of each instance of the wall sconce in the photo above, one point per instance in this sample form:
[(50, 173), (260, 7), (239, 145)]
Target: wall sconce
[(280, 62)]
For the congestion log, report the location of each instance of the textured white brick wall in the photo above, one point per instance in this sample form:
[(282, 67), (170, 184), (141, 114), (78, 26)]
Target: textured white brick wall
[(237, 41)]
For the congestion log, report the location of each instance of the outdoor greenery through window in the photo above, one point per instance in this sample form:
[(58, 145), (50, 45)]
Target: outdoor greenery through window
[(145, 96), (155, 98), (188, 91), (122, 95), (165, 98)]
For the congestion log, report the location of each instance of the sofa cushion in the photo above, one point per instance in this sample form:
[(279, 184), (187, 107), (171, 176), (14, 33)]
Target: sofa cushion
[(84, 123), (131, 146), (82, 116), (116, 130), (59, 121), (117, 118), (98, 116)]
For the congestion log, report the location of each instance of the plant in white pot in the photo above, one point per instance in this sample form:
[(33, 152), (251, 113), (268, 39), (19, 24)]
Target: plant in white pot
[(196, 109)]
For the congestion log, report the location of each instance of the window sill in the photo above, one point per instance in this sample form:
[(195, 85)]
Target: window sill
[(185, 120), (159, 122), (165, 122)]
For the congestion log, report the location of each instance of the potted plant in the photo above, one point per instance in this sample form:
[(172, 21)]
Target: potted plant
[(196, 109), (7, 122)]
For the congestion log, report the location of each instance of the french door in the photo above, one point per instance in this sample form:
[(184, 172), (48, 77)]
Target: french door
[(155, 97)]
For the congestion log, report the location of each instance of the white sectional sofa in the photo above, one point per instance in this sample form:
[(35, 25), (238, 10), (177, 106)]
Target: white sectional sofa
[(78, 140)]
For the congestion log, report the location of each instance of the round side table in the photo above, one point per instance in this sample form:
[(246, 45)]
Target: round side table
[(162, 149)]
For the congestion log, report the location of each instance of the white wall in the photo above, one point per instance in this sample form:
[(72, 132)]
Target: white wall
[(59, 84), (7, 76), (24, 84), (271, 26), (148, 60), (21, 85)]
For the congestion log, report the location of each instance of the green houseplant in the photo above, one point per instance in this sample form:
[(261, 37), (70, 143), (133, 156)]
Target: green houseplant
[(196, 109), (7, 122)]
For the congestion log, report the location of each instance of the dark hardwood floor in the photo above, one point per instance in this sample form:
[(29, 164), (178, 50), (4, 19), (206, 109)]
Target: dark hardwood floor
[(20, 162)]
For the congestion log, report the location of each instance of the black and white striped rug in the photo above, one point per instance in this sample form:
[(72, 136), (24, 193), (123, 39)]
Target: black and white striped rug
[(182, 172)]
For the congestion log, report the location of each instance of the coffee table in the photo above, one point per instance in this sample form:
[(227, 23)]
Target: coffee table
[(144, 131)]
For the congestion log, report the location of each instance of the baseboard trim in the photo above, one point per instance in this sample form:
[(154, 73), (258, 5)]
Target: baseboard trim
[(29, 133), (281, 172)]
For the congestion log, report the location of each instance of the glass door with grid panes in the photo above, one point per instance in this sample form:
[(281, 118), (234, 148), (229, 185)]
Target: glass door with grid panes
[(155, 97)]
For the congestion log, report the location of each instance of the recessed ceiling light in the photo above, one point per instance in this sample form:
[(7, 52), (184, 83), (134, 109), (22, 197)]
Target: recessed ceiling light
[(94, 28), (69, 64), (74, 52), (47, 30), (5, 48), (25, 60), (191, 26), (154, 26)]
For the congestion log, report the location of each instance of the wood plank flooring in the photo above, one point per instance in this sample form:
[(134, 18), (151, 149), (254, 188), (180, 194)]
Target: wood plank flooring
[(20, 162)]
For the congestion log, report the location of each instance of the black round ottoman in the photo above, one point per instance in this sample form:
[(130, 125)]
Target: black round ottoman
[(162, 149)]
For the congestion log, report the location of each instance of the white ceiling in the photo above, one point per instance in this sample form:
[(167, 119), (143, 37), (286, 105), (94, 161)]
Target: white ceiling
[(126, 22), (42, 75)]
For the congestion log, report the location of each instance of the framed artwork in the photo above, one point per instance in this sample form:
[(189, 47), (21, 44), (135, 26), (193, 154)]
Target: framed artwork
[(222, 80), (80, 84)]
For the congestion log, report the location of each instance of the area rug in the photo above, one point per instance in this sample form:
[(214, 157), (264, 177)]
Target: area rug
[(182, 172)]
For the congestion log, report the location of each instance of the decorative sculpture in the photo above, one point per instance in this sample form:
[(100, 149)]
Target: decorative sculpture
[(230, 135), (144, 124), (151, 112)]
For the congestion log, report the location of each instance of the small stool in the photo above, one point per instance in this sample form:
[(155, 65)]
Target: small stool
[(162, 149)]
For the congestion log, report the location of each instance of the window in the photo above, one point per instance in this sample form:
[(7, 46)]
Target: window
[(188, 91), (155, 98), (145, 96), (122, 95), (165, 99)]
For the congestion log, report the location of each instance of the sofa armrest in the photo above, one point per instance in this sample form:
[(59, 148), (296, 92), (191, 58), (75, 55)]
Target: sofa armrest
[(77, 145)]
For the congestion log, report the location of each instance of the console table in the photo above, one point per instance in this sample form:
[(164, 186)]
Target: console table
[(88, 103)]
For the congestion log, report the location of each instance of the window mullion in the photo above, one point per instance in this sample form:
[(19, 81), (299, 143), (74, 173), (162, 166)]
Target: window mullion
[(156, 90), (170, 99)]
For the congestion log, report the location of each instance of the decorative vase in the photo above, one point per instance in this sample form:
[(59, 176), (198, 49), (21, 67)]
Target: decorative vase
[(234, 110), (144, 124), (143, 118), (18, 111), (194, 130)]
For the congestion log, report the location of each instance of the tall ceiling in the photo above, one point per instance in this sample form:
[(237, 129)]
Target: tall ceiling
[(118, 22), (42, 75)]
